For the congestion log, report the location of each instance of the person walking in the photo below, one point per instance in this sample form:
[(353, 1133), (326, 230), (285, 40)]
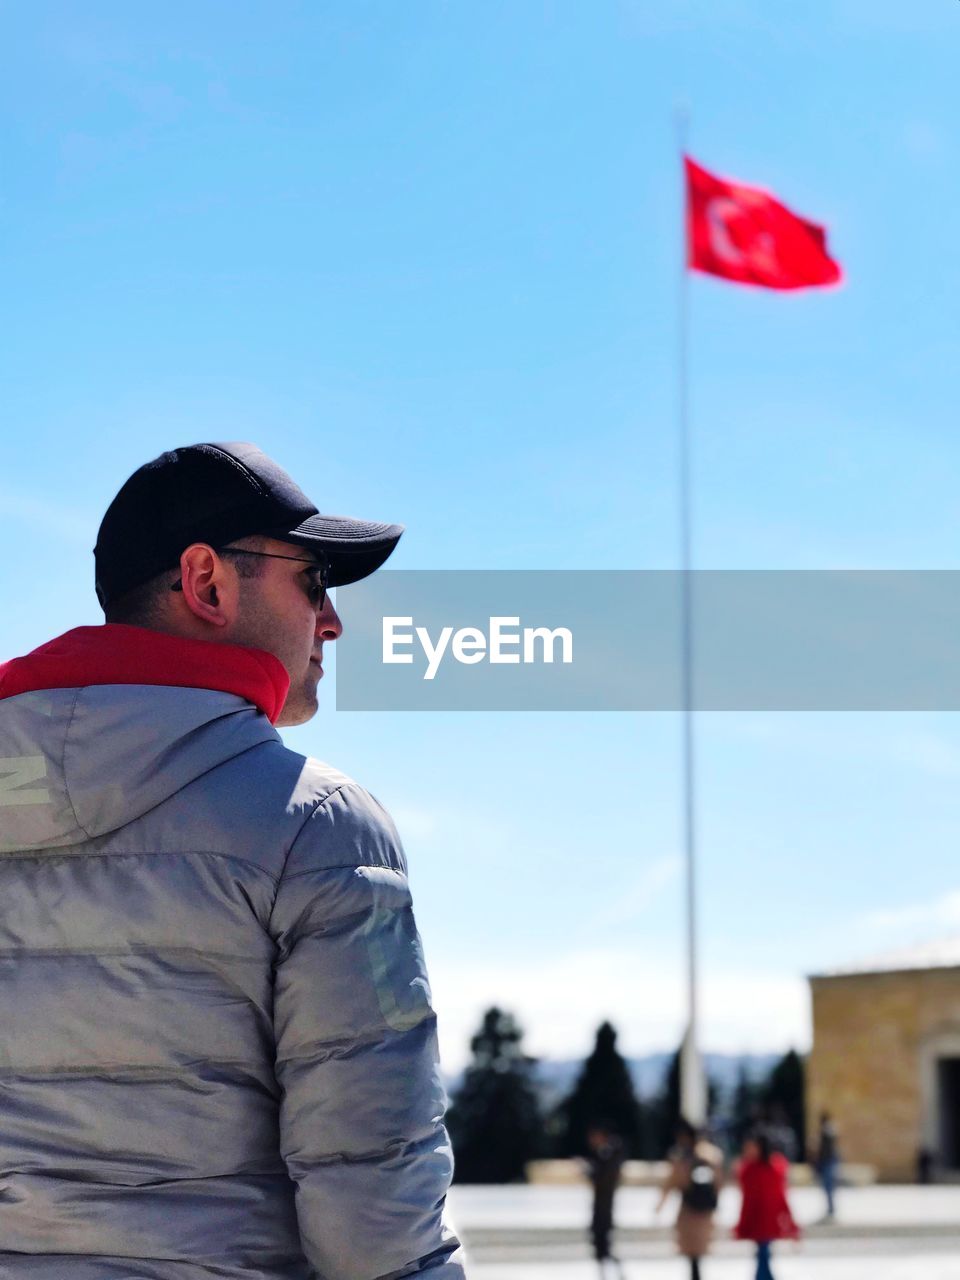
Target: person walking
[(765, 1211), (696, 1172), (826, 1161), (219, 1054), (604, 1165)]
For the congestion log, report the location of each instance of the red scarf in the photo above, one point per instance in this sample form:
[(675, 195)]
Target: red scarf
[(117, 654)]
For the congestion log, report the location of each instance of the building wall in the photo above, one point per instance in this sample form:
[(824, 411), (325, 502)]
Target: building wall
[(876, 1038)]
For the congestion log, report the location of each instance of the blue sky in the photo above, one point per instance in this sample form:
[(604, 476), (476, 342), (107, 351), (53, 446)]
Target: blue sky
[(426, 255)]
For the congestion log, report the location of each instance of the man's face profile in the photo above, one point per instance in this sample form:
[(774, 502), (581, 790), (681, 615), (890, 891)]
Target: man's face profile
[(278, 611)]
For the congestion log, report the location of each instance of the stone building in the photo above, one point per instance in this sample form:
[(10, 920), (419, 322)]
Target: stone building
[(886, 1060)]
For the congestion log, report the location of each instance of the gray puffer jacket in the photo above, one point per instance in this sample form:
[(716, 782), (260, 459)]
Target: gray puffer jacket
[(218, 1058)]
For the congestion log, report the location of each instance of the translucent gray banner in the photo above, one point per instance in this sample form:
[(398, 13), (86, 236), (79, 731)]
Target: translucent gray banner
[(611, 641)]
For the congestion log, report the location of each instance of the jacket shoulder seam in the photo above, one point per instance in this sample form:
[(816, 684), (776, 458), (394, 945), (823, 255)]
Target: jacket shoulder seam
[(279, 880), (315, 808)]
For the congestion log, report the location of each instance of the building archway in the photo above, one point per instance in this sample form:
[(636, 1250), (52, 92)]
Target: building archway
[(940, 1099)]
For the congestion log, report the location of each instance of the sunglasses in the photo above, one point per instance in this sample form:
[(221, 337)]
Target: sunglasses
[(320, 568)]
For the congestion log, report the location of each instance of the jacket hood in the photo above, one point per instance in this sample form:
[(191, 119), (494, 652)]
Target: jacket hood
[(104, 723)]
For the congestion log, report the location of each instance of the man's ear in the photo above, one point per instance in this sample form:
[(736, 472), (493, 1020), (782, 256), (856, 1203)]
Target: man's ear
[(208, 591)]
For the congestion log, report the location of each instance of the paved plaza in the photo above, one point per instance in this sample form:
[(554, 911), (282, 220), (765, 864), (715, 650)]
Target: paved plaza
[(788, 1266), (550, 1209), (882, 1233)]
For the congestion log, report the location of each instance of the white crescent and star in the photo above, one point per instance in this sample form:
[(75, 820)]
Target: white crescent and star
[(762, 252)]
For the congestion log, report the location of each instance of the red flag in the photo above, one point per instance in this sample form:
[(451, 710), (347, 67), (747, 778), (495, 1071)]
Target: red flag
[(742, 233)]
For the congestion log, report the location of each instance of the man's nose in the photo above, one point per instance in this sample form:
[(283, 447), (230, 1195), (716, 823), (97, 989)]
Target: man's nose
[(329, 626)]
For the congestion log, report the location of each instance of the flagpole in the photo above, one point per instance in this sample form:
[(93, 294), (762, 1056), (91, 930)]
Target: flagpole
[(693, 1099)]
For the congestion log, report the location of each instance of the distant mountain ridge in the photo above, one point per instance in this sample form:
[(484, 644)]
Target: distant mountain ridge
[(649, 1073), (555, 1076)]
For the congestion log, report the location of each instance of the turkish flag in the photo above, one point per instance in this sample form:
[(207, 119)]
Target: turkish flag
[(742, 233)]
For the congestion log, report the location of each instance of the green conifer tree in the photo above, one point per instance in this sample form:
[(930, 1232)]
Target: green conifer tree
[(785, 1095), (603, 1094), (494, 1119), (665, 1108), (747, 1108)]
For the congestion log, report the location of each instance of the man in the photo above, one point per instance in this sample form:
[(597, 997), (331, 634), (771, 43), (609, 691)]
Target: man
[(605, 1165), (218, 1053), (826, 1161)]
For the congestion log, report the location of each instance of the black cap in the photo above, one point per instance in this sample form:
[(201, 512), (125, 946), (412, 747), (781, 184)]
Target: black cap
[(217, 493)]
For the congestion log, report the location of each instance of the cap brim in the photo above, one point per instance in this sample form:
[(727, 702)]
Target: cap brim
[(354, 548)]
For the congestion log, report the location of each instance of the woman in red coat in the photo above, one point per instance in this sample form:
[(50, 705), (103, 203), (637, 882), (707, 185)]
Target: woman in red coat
[(765, 1214)]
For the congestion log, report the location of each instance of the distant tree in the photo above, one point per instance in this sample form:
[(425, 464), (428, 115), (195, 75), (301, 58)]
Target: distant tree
[(602, 1095), (747, 1106), (665, 1108), (784, 1097), (494, 1118)]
